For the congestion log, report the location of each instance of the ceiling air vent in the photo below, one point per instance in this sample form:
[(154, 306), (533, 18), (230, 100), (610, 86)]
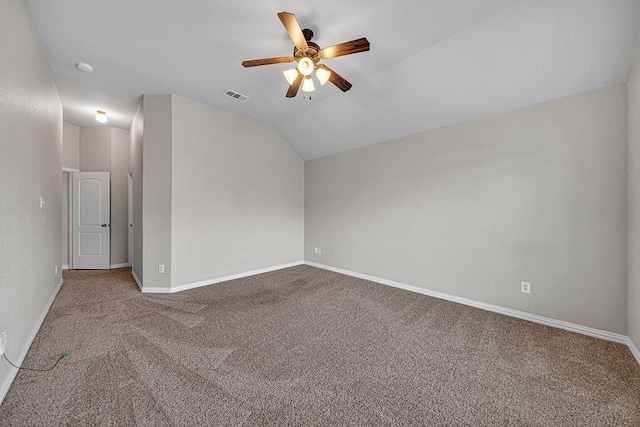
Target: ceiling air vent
[(235, 95)]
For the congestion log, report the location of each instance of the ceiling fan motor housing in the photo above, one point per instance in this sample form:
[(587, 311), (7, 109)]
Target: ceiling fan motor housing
[(308, 34), (311, 52)]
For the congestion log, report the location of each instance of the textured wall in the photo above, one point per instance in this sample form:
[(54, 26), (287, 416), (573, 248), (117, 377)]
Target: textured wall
[(70, 146), (535, 194), (119, 196), (70, 159), (106, 149), (634, 201), (136, 167), (95, 149), (65, 218), (30, 167), (156, 194), (237, 195)]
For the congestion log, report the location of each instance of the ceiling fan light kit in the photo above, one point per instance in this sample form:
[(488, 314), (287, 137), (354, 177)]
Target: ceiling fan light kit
[(308, 54), (308, 86), (291, 75), (305, 66), (323, 75)]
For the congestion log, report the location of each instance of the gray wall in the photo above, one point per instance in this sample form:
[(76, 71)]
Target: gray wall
[(119, 196), (634, 201), (237, 195), (70, 159), (136, 168), (95, 149), (65, 219), (535, 194), (70, 146), (156, 193), (30, 167), (106, 149)]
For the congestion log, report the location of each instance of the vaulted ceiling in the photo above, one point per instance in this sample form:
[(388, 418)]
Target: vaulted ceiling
[(432, 63)]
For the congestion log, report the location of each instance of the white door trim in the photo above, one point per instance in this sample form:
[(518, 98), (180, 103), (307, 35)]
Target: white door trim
[(70, 219), (130, 218)]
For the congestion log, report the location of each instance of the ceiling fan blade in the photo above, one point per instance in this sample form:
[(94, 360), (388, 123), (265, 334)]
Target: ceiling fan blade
[(293, 89), (267, 61), (293, 28), (346, 48), (337, 79)]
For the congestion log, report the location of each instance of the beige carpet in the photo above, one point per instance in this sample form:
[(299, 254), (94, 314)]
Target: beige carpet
[(303, 346)]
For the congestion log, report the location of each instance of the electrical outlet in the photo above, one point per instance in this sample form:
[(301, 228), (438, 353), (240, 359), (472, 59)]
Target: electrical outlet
[(525, 287), (318, 250), (161, 268), (3, 341), (41, 202), (56, 270)]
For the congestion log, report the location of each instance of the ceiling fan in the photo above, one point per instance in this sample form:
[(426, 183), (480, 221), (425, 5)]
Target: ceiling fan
[(307, 54)]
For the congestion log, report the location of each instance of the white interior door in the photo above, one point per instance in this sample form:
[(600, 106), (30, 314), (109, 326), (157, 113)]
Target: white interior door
[(91, 220)]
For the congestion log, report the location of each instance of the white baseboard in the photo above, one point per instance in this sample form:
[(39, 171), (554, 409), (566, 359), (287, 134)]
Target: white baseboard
[(125, 264), (584, 330), (6, 384), (135, 277), (65, 266), (634, 350), (154, 290)]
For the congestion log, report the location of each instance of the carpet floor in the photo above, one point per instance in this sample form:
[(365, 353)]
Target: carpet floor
[(308, 347)]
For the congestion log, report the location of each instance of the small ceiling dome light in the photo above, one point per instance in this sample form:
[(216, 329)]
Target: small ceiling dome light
[(83, 66), (305, 66), (307, 86), (323, 75), (291, 75), (101, 116)]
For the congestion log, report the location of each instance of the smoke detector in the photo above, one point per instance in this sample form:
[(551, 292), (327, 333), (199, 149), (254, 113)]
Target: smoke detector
[(83, 66)]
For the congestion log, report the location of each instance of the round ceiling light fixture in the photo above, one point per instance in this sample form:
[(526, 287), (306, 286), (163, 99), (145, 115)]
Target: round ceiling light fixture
[(83, 66), (101, 116)]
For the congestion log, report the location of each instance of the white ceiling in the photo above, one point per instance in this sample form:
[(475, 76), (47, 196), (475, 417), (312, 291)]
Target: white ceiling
[(432, 63)]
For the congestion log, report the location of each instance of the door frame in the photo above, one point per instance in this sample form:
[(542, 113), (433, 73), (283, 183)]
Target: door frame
[(130, 217)]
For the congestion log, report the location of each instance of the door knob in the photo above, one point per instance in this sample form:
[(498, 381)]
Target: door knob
[(106, 225)]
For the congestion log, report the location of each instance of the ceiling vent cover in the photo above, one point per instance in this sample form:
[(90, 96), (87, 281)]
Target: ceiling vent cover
[(235, 95)]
